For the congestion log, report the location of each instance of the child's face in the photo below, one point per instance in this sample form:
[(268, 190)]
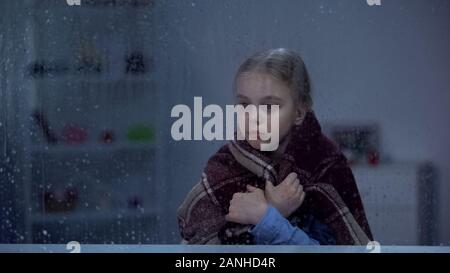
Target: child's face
[(263, 89)]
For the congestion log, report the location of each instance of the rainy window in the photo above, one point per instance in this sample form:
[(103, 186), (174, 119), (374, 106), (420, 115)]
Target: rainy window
[(87, 90)]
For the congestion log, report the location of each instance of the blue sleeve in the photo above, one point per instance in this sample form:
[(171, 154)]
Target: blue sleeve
[(274, 229)]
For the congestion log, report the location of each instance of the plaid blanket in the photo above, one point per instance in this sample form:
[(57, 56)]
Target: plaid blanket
[(331, 192)]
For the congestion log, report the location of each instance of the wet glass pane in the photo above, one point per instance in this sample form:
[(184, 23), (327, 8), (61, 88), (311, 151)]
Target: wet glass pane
[(87, 92)]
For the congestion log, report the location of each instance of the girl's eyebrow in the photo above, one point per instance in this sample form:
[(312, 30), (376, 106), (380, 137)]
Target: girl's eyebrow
[(264, 99), (272, 98), (239, 96)]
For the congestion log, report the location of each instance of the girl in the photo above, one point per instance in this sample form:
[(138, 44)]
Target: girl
[(302, 193)]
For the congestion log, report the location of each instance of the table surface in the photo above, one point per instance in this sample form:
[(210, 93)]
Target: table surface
[(92, 248)]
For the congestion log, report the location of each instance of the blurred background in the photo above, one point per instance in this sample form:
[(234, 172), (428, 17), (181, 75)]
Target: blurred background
[(86, 93)]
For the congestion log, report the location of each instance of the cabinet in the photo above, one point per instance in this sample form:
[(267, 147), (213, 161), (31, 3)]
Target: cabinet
[(400, 201)]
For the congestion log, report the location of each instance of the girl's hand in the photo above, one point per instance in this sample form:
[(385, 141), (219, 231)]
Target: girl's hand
[(287, 196), (247, 208)]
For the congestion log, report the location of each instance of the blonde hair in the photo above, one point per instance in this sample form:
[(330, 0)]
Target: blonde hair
[(284, 65)]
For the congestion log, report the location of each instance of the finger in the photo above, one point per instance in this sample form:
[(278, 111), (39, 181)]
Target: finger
[(302, 197), (250, 188), (290, 178), (295, 183), (269, 184), (298, 192)]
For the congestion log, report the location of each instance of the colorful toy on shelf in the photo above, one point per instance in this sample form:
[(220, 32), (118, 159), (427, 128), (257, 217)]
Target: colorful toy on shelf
[(43, 123), (89, 59), (42, 68), (135, 202), (74, 134), (140, 133), (107, 137), (135, 63), (60, 200), (373, 158)]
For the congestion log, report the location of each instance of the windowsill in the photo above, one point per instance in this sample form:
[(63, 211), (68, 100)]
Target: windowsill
[(92, 248)]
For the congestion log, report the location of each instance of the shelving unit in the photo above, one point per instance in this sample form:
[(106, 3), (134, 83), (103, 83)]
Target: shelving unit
[(93, 216), (83, 189), (107, 148)]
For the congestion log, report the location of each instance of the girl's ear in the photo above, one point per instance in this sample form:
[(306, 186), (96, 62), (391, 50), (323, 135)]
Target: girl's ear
[(301, 114)]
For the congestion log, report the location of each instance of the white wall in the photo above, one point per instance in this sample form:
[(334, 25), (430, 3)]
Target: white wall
[(387, 64)]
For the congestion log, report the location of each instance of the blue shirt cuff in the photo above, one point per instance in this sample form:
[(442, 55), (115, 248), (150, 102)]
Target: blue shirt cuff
[(267, 229), (273, 228)]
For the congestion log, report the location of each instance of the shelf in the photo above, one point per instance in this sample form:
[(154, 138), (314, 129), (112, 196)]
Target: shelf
[(94, 147), (96, 79), (93, 215), (97, 6)]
